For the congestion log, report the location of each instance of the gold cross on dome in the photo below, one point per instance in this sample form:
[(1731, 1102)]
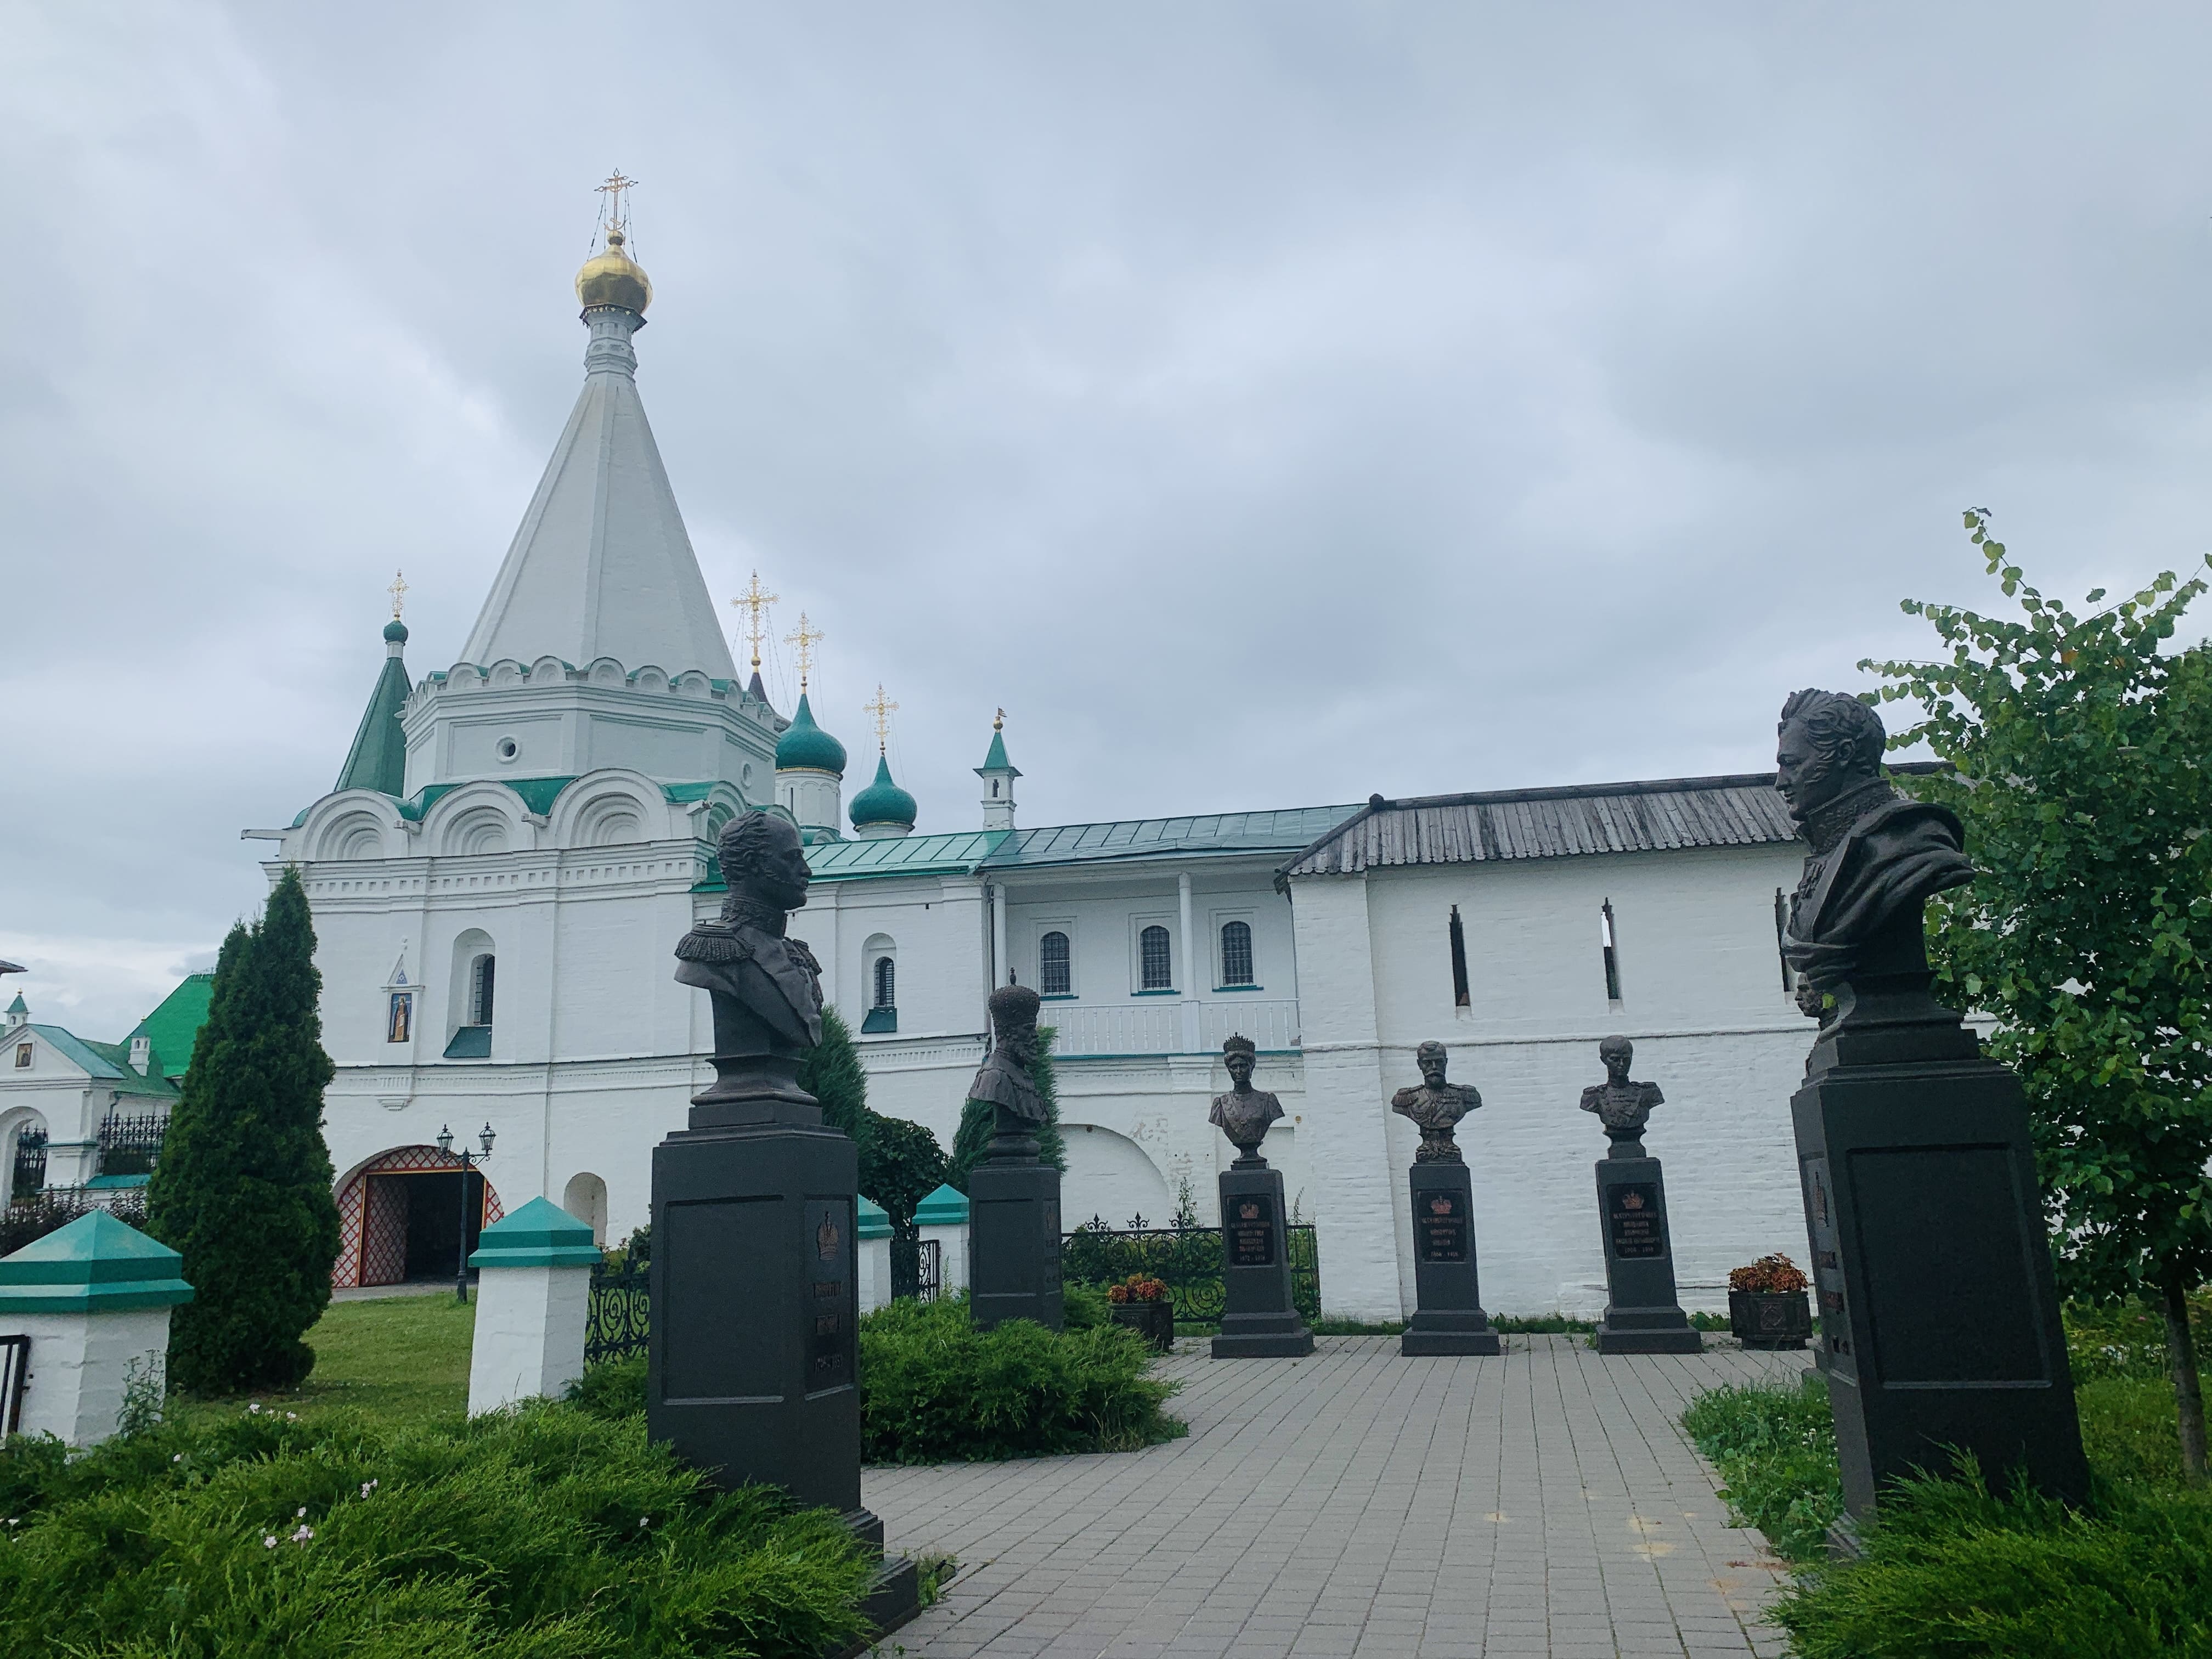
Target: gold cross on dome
[(612, 189), (756, 602), (881, 711), (804, 638), (397, 590)]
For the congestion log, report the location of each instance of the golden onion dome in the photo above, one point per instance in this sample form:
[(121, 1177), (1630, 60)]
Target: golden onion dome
[(613, 278)]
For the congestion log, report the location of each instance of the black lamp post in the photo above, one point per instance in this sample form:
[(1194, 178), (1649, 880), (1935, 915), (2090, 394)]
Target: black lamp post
[(469, 1161)]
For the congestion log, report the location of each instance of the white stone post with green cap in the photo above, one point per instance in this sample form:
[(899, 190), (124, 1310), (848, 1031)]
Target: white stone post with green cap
[(943, 1216), (533, 1300), (94, 1299)]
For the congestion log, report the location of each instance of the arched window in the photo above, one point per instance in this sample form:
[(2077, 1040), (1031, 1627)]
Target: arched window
[(1237, 953), (1154, 966), (886, 977), (1053, 977), (879, 965), (481, 973)]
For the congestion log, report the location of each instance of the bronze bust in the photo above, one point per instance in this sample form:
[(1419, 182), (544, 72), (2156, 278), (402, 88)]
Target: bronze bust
[(1244, 1112), (1437, 1106), (1622, 1106), (1877, 858), (1004, 1081), (766, 987)]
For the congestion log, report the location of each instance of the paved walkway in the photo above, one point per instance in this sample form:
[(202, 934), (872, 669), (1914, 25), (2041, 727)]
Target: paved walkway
[(1359, 1505)]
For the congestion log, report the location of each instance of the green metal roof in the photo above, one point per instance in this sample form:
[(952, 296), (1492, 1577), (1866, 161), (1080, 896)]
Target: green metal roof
[(108, 1062), (902, 855), (378, 759), (945, 1208), (95, 1264), (172, 1027)]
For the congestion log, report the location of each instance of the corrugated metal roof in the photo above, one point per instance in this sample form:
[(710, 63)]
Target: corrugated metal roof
[(1738, 810), (903, 855), (1218, 833)]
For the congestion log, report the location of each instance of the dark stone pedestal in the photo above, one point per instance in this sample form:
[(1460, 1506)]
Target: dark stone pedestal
[(1258, 1319), (1448, 1319), (1641, 1314), (1939, 1315), (751, 1369), (1013, 1242)]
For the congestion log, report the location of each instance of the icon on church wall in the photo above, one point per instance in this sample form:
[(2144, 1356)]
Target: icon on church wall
[(399, 1026)]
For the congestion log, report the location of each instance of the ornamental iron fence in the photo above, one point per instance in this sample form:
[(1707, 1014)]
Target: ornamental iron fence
[(917, 1268), (620, 1316), (1188, 1261), (132, 1145)]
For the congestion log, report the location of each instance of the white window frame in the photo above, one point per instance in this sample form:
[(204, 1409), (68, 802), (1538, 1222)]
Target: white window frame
[(1169, 919), (1039, 927), (1217, 920)]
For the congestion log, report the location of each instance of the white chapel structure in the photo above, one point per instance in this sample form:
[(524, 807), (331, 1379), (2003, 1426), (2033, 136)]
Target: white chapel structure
[(515, 842)]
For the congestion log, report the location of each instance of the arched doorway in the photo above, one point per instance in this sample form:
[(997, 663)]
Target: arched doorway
[(402, 1215)]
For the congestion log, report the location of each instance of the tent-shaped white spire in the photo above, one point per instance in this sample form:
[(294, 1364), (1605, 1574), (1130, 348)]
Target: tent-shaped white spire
[(601, 566)]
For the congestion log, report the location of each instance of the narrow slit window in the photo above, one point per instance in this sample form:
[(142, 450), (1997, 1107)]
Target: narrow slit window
[(481, 977), (1154, 966), (886, 982), (1460, 998), (1055, 977), (1237, 953), (1612, 954), (1781, 933)]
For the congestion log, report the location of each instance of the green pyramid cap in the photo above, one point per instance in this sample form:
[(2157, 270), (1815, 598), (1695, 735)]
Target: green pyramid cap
[(945, 1208), (378, 759), (94, 1264), (19, 1007), (541, 1234), (995, 760), (875, 1220)]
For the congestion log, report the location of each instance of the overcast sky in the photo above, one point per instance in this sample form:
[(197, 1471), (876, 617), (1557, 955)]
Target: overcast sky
[(1267, 404)]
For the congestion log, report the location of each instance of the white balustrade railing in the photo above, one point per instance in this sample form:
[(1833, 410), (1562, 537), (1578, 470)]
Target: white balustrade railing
[(1154, 1025)]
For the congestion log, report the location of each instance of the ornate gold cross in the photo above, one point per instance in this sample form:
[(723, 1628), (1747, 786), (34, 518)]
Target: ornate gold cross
[(756, 603), (612, 189), (881, 711), (397, 590), (804, 638)]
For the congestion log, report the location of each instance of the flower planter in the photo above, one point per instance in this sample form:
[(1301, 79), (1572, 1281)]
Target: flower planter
[(1153, 1321), (1771, 1319)]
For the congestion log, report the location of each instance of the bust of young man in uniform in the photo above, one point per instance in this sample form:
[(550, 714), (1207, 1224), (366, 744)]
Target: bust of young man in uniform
[(1437, 1106), (1244, 1112), (1877, 857), (1622, 1106), (766, 987)]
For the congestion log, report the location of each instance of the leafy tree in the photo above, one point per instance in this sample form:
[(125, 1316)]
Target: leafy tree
[(243, 1187), (978, 1118), (2082, 748)]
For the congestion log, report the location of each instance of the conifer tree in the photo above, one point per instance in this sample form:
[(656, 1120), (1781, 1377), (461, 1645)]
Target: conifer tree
[(901, 1162), (832, 1073), (243, 1188), (977, 1118)]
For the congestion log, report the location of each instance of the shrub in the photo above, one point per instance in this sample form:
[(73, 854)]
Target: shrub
[(934, 1389), (612, 1389), (545, 1534), (1084, 1307), (1955, 1571), (243, 1188), (50, 1211), (1775, 1447)]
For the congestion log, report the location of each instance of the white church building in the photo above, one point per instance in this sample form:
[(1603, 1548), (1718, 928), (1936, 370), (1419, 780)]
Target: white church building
[(516, 841)]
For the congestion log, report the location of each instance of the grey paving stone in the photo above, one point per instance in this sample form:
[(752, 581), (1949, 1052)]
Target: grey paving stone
[(1357, 1504)]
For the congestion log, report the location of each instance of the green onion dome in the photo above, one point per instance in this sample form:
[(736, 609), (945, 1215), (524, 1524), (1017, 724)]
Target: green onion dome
[(806, 746), (883, 801), (395, 632)]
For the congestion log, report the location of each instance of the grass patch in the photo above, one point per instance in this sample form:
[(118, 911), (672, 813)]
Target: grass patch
[(933, 1390), (1775, 1447), (545, 1534), (397, 1359)]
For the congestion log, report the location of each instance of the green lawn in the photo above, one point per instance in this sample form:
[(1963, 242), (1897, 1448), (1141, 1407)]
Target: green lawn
[(401, 1358)]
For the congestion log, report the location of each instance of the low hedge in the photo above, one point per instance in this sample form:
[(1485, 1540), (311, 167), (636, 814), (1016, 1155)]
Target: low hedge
[(546, 1534), (933, 1390)]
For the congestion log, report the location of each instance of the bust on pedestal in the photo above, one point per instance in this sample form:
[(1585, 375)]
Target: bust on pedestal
[(751, 1369), (1641, 1313), (1013, 1195), (1448, 1318), (1939, 1311), (1258, 1319)]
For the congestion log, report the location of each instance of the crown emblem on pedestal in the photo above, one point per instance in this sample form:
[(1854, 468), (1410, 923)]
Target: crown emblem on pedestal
[(1440, 1205), (1632, 1200), (825, 1239), (1248, 1212)]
